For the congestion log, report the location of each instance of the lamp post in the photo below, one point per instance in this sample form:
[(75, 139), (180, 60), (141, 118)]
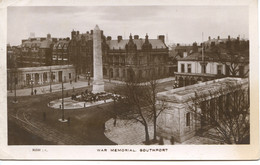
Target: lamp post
[(50, 79), (62, 103), (15, 83), (88, 77), (31, 81)]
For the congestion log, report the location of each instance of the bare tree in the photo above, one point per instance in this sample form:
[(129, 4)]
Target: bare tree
[(226, 110), (134, 105), (140, 104), (233, 54), (152, 102)]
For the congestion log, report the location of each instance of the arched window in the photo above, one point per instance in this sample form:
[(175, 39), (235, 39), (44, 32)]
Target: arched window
[(188, 119)]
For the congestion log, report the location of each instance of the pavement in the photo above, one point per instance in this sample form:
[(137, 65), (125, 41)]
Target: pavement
[(132, 133), (57, 87)]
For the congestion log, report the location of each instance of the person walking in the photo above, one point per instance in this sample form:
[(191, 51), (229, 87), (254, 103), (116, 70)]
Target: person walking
[(35, 91)]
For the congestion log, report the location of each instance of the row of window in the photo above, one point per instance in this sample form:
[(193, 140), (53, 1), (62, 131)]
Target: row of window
[(219, 69)]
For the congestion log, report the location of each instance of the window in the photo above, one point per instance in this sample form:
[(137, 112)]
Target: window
[(189, 68), (241, 70), (227, 70), (69, 75), (203, 68), (188, 119), (219, 69), (182, 68)]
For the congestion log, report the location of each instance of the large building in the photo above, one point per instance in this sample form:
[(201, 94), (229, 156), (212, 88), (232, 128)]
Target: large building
[(225, 59), (80, 50), (38, 76), (122, 58), (135, 58), (180, 121), (35, 52), (36, 59)]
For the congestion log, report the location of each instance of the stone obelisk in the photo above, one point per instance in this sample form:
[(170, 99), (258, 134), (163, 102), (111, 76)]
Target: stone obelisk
[(98, 83)]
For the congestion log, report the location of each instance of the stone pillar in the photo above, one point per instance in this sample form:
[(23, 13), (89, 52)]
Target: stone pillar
[(98, 83)]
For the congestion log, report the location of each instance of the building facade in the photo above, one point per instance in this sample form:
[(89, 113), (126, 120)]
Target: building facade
[(179, 120), (135, 58), (226, 59), (39, 76)]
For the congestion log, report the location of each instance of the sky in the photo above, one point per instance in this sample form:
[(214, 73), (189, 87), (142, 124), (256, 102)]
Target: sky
[(182, 24)]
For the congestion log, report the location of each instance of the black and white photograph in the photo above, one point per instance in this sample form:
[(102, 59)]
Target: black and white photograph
[(108, 76)]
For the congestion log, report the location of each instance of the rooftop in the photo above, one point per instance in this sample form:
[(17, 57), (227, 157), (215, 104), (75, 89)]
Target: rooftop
[(184, 94), (115, 44)]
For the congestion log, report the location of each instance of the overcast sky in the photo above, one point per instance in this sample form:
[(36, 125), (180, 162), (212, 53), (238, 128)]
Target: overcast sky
[(182, 24)]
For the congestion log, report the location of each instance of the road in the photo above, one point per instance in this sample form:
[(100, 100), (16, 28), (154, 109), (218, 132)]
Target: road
[(85, 128), (28, 126)]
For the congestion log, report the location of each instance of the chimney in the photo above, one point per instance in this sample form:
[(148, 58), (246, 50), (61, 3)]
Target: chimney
[(77, 32), (136, 37), (178, 44), (48, 36), (161, 37), (109, 38), (228, 37), (185, 54), (218, 38), (73, 33), (238, 38), (91, 31), (32, 35), (119, 38), (195, 47), (87, 32), (209, 38)]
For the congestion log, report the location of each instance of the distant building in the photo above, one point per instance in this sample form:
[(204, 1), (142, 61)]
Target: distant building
[(80, 50), (36, 59), (122, 58), (217, 62), (135, 58), (35, 52), (60, 53), (38, 76)]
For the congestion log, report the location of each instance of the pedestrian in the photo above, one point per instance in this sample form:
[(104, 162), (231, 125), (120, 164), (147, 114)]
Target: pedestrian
[(172, 140), (35, 91), (70, 81), (68, 121)]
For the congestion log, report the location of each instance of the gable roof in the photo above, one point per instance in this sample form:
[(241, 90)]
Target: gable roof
[(156, 43)]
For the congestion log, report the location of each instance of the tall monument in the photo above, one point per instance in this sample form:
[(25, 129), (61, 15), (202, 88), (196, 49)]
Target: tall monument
[(98, 83)]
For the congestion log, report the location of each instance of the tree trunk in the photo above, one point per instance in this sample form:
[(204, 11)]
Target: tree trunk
[(147, 139), (154, 125)]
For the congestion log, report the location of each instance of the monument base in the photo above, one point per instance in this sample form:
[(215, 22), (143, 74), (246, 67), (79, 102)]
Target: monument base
[(98, 87)]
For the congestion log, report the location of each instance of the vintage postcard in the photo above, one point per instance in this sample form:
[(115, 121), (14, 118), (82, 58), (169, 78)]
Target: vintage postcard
[(129, 80)]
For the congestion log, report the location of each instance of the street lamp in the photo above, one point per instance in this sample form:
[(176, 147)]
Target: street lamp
[(62, 102), (50, 79), (15, 83), (31, 82), (88, 77)]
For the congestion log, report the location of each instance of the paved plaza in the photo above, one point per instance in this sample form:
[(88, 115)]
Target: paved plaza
[(127, 132)]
